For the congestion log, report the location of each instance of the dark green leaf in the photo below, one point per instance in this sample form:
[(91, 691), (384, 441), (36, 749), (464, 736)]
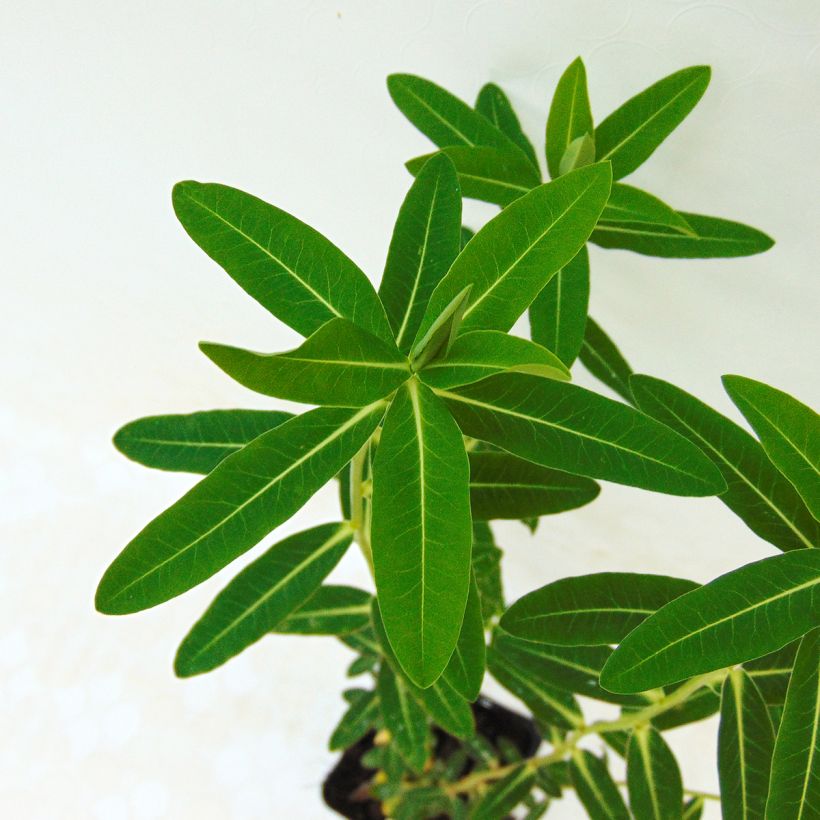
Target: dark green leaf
[(466, 235), (602, 608), (362, 640), (493, 103), (739, 616), (772, 673), (693, 809), (569, 428), (653, 777), (465, 670), (234, 507), (291, 269), (504, 795), (193, 443), (403, 718), (631, 133), (701, 704), (487, 571), (602, 358), (570, 116), (636, 210), (426, 240), (595, 787), (331, 610), (757, 492), (360, 717)]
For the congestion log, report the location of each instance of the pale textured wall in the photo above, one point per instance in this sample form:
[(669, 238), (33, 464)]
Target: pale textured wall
[(104, 105)]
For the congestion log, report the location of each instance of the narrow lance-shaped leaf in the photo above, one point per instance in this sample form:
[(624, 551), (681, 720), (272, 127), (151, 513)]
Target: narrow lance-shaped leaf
[(510, 260), (234, 507), (558, 315), (288, 267), (758, 493), (569, 428), (403, 718), (570, 116), (493, 103), (602, 358), (636, 210), (595, 787), (487, 571), (359, 718), (631, 133), (739, 616), (503, 486), (264, 593), (794, 793), (465, 670), (494, 175), (439, 336), (580, 152), (772, 673), (426, 240), (745, 744), (504, 795), (788, 430), (481, 353), (331, 610), (653, 777), (339, 365), (693, 809), (196, 442), (601, 608), (421, 531)]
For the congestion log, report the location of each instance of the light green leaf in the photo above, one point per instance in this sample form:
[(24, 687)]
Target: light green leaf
[(426, 240), (359, 718), (288, 267), (739, 616), (710, 237), (493, 103), (439, 336), (494, 175), (264, 593), (421, 531), (331, 610), (510, 260), (570, 116), (580, 152), (788, 430), (234, 507), (757, 493), (569, 428), (772, 673), (487, 571), (403, 718), (595, 787), (558, 315), (480, 353), (745, 744), (503, 486), (795, 783), (504, 795), (339, 365), (601, 608), (465, 670), (634, 209), (196, 442), (653, 777), (602, 358), (631, 133)]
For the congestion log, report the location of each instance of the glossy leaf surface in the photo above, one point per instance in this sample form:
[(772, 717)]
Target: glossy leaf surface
[(635, 210), (570, 116), (772, 673), (653, 777), (331, 610), (493, 103), (604, 360)]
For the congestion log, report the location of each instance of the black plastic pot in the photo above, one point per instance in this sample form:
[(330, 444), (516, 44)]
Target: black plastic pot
[(345, 789)]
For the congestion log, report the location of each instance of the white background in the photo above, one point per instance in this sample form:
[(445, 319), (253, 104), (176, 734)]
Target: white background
[(104, 106)]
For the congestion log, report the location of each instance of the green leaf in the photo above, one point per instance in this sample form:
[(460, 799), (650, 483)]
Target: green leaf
[(601, 608), (636, 210), (421, 531), (757, 493), (558, 315), (193, 443), (403, 718), (580, 152), (772, 673), (522, 675), (339, 365), (465, 670), (359, 718), (363, 640), (693, 809), (481, 353), (234, 507), (710, 237), (466, 235), (487, 571), (510, 260), (739, 616), (631, 133), (653, 777), (570, 116), (439, 336), (788, 430), (602, 358), (264, 593), (795, 784), (289, 268), (331, 610), (701, 704), (745, 745), (426, 240), (494, 175), (504, 795), (595, 787), (569, 428), (503, 486), (493, 103)]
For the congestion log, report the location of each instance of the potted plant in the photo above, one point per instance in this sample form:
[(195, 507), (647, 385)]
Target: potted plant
[(436, 420)]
